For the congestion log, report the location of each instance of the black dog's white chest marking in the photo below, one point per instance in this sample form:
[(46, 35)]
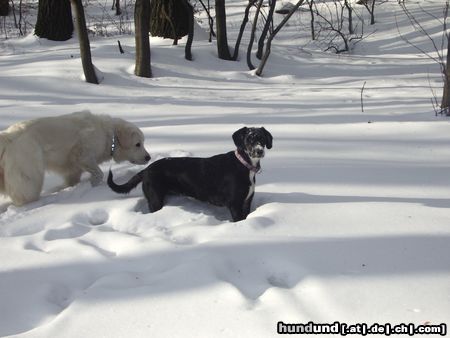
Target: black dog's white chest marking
[(251, 188), (251, 177)]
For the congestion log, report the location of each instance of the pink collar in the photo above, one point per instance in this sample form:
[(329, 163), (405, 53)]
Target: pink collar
[(246, 164)]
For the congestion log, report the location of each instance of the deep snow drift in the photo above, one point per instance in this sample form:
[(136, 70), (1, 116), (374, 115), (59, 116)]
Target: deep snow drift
[(350, 220)]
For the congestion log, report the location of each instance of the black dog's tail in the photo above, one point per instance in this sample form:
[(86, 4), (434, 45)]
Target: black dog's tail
[(127, 187)]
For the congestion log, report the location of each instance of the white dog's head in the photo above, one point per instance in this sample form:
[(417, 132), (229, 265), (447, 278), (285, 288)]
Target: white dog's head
[(129, 143)]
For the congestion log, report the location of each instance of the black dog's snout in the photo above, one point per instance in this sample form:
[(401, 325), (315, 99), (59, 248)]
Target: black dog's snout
[(259, 152)]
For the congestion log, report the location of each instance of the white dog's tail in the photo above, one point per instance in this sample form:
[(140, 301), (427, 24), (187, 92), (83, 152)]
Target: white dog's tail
[(4, 141), (3, 144)]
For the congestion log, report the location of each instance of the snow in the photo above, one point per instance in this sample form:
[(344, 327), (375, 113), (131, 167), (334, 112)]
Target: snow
[(350, 220)]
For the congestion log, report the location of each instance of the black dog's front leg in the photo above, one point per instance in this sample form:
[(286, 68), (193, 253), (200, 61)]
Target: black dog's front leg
[(239, 211), (237, 214), (247, 205)]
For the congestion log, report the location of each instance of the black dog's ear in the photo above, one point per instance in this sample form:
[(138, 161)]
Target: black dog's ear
[(238, 137), (269, 138)]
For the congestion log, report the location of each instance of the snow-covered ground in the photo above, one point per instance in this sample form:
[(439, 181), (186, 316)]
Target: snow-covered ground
[(351, 216)]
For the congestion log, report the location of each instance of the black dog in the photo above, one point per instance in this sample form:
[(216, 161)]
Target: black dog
[(223, 180)]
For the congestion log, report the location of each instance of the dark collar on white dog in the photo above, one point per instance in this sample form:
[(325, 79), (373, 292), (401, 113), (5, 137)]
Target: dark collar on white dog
[(113, 144), (250, 167)]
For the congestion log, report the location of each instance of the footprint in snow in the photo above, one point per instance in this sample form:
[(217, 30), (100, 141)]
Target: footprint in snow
[(81, 225), (98, 217), (94, 217), (182, 240), (164, 230), (142, 206), (96, 247), (278, 281), (72, 231), (59, 295), (33, 247)]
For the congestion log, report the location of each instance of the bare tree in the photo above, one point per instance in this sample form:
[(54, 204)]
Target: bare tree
[(242, 28), (170, 18), (116, 6), (439, 49), (4, 7), (173, 19), (190, 11), (54, 20), (266, 54), (311, 12), (142, 23), (210, 19), (333, 24), (268, 26), (350, 16), (17, 22), (221, 29), (83, 38), (445, 104), (370, 6), (21, 20), (252, 35)]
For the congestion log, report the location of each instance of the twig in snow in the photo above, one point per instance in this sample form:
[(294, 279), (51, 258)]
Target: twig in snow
[(120, 47), (362, 101)]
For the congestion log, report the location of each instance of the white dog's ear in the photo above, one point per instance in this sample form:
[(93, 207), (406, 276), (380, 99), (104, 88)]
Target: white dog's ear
[(124, 135)]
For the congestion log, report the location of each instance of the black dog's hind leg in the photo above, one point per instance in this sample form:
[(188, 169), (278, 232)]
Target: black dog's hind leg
[(155, 193)]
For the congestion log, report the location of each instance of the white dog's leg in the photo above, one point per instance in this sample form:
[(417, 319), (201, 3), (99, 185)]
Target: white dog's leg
[(2, 181), (72, 178), (24, 173), (96, 173), (96, 177)]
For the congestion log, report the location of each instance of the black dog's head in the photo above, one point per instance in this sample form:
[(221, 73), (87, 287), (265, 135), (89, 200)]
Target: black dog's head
[(253, 141)]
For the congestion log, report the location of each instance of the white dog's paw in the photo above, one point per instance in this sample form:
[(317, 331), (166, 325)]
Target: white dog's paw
[(96, 179)]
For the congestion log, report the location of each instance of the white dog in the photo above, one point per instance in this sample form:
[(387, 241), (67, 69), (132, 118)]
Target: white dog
[(68, 145)]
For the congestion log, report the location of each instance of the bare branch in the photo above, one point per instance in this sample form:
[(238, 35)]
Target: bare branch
[(272, 36)]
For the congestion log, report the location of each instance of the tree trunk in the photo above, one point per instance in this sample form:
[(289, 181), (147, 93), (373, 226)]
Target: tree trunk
[(311, 22), (83, 38), (169, 19), (221, 29), (142, 23), (190, 11), (211, 23), (372, 13), (252, 35), (350, 17), (446, 95), (241, 30), (210, 20), (269, 21), (117, 5), (4, 7), (170, 22), (54, 20)]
